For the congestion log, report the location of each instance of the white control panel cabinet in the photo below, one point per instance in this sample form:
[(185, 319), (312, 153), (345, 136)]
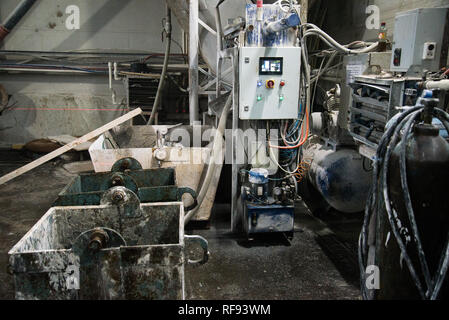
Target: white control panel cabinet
[(420, 37), (269, 83)]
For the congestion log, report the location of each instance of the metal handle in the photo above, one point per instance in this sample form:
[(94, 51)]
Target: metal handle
[(184, 190), (204, 245)]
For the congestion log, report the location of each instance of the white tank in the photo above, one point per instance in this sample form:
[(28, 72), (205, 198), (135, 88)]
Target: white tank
[(340, 177)]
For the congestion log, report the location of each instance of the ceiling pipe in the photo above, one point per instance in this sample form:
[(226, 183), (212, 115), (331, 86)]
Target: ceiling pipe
[(15, 17)]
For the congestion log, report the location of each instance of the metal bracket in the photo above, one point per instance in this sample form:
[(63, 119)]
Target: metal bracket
[(93, 240), (184, 190), (122, 198), (126, 164), (204, 245)]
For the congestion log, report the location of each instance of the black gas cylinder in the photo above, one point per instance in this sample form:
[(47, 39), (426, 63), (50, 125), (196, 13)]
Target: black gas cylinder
[(427, 159)]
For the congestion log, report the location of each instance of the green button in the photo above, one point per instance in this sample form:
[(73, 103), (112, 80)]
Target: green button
[(259, 98), (281, 98)]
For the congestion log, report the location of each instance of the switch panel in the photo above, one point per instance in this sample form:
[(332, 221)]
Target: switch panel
[(269, 83), (397, 57), (419, 36), (429, 52)]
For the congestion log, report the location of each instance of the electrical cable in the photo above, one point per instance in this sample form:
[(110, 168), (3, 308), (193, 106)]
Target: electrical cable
[(317, 77), (46, 66), (403, 124), (284, 4), (304, 128), (314, 30)]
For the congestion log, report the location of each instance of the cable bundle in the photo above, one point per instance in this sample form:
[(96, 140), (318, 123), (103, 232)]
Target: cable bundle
[(303, 168), (295, 136), (402, 123)]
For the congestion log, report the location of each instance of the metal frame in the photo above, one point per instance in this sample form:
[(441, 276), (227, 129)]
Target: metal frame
[(221, 89), (395, 89), (231, 54), (195, 89)]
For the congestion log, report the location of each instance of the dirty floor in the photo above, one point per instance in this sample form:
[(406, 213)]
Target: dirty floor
[(319, 263)]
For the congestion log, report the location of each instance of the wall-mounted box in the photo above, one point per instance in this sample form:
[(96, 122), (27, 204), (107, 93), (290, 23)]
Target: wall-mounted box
[(269, 83), (421, 40)]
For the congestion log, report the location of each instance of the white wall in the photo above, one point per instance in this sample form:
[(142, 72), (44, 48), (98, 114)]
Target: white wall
[(51, 105), (105, 24), (47, 105), (389, 8), (346, 19)]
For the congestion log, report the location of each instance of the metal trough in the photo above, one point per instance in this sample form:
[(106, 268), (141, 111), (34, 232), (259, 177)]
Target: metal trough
[(120, 249), (141, 143), (151, 185)]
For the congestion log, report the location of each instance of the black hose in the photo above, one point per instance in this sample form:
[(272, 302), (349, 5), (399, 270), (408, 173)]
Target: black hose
[(15, 17), (372, 197), (392, 216), (380, 179), (408, 200), (157, 99)]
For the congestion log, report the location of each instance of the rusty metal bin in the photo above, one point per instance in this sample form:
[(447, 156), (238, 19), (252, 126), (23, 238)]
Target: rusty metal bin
[(141, 143), (150, 185), (123, 250)]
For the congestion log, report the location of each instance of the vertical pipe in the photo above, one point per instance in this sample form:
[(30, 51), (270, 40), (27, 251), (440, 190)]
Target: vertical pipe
[(193, 61), (219, 28), (157, 99), (110, 74), (14, 18)]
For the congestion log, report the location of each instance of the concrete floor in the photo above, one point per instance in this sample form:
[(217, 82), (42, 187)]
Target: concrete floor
[(319, 263)]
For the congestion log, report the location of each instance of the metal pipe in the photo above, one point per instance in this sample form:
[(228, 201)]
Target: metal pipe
[(157, 99), (15, 17), (218, 26), (116, 77), (49, 71), (206, 26), (193, 61), (113, 94), (110, 74), (215, 159), (442, 85), (106, 55), (219, 45)]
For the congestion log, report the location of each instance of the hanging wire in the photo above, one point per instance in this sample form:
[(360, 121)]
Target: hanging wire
[(402, 125)]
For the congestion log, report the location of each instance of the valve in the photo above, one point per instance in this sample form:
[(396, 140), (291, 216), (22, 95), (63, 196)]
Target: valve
[(98, 240)]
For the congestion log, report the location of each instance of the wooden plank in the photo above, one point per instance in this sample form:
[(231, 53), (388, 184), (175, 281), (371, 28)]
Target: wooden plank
[(69, 146)]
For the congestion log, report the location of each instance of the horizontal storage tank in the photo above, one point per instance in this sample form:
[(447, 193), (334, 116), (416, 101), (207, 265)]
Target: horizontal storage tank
[(339, 176)]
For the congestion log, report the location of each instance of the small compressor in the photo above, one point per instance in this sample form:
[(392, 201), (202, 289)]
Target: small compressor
[(268, 205)]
